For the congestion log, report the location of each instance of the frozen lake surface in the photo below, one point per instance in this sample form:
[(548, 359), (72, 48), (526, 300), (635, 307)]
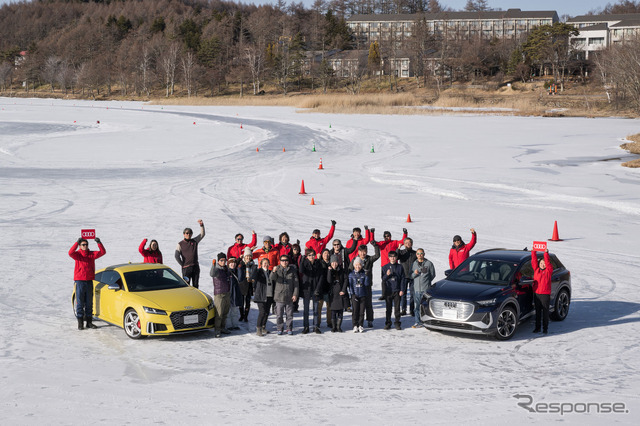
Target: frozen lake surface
[(135, 171)]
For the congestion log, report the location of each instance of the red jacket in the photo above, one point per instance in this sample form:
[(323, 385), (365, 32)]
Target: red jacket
[(272, 255), (319, 244), (150, 256), (460, 254), (237, 250), (361, 242), (541, 277), (85, 269), (282, 249), (388, 246)]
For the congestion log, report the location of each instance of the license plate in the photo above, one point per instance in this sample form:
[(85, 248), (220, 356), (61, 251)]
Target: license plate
[(190, 319), (451, 314)]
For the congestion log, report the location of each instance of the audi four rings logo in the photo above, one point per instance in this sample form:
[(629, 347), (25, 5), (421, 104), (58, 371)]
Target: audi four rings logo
[(188, 307), (450, 304)]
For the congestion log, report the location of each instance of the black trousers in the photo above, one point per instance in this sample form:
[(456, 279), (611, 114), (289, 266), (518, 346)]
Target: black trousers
[(263, 312), (368, 303), (358, 305), (393, 301), (191, 274), (541, 302)]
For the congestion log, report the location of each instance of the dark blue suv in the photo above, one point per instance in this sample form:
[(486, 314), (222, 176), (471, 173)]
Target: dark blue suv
[(491, 293)]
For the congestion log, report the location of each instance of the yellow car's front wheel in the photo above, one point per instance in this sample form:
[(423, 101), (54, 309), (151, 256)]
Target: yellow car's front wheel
[(132, 324)]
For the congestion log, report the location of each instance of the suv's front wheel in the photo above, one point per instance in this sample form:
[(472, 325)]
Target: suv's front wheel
[(507, 323)]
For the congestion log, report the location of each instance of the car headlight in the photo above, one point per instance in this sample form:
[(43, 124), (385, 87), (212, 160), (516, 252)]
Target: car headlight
[(211, 306), (154, 311), (487, 302)]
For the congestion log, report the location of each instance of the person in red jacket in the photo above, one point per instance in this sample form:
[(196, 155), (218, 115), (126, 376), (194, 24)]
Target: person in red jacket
[(542, 272), (460, 251), (83, 275), (237, 249), (153, 255), (318, 244), (386, 247), (356, 238), (267, 252)]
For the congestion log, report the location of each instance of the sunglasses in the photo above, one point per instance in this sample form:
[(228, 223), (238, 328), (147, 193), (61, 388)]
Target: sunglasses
[(84, 244), (284, 260)]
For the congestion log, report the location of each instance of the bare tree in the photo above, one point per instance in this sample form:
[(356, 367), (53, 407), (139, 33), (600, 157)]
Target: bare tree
[(188, 62), (5, 74), (50, 70), (254, 58), (169, 62)]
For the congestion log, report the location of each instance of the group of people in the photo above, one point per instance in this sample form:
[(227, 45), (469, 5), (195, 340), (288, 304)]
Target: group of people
[(279, 275)]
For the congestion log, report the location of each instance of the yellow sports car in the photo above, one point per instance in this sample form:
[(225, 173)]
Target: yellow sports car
[(149, 299)]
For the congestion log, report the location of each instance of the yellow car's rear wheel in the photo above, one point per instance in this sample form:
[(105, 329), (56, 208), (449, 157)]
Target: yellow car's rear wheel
[(132, 326)]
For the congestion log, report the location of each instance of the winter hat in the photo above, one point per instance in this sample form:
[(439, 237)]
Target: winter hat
[(335, 258), (267, 238), (457, 238), (231, 259), (247, 251), (316, 231), (221, 256)]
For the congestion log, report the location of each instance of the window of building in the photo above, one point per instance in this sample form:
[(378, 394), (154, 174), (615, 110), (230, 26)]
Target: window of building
[(596, 41)]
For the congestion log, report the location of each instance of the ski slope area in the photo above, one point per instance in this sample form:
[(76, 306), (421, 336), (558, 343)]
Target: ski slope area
[(133, 171)]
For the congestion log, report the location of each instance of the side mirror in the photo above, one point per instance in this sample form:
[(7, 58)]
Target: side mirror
[(115, 287), (448, 272)]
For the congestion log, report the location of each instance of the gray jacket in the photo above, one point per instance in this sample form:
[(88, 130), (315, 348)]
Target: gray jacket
[(285, 282), (426, 273)]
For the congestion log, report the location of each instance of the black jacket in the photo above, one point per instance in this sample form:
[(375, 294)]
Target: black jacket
[(338, 280), (313, 274)]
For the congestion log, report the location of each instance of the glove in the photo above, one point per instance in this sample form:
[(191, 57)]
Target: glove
[(79, 240), (298, 242), (366, 227), (404, 231), (333, 223), (372, 229), (97, 240)]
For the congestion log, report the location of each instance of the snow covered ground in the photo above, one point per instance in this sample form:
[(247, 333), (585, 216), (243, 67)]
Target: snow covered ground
[(149, 171)]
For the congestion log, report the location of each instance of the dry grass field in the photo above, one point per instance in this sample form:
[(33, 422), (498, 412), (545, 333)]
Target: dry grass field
[(634, 148)]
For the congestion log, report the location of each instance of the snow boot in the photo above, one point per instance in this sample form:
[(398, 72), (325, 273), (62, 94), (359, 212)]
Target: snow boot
[(80, 324), (259, 332), (340, 326), (90, 324)]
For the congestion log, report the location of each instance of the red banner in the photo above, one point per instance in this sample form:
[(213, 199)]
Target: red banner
[(539, 245), (89, 234)]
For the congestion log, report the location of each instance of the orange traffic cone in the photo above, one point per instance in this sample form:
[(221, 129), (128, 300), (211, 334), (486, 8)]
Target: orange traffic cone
[(257, 149), (241, 125), (408, 218), (283, 149), (555, 236), (302, 188), (313, 203), (320, 166)]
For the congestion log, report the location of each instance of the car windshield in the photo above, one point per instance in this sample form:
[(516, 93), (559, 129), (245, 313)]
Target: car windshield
[(153, 279), (484, 271)]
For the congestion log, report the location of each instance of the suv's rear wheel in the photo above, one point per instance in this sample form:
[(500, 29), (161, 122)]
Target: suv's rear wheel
[(507, 324), (561, 308)]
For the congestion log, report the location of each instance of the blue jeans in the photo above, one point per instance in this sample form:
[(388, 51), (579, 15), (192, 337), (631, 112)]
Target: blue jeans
[(417, 298), (84, 299)]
